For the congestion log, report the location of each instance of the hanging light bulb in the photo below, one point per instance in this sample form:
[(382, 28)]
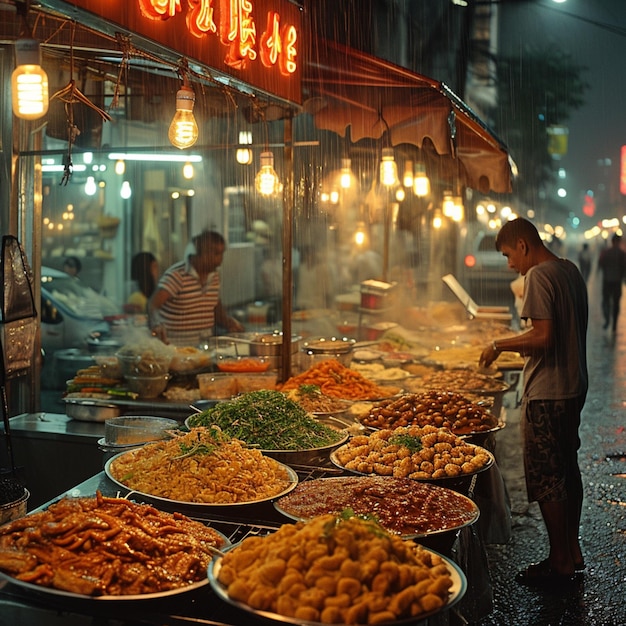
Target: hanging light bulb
[(407, 179), (126, 191), (29, 82), (183, 131), (388, 168), (345, 177), (188, 171), (447, 204), (266, 181), (90, 186), (244, 155), (120, 167), (360, 235), (458, 209), (421, 182), (437, 220)]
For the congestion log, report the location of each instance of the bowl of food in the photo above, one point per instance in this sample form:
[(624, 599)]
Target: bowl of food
[(187, 359), (147, 386), (149, 358), (268, 420), (322, 348)]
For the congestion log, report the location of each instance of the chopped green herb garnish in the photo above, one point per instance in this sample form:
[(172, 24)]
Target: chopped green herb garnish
[(269, 420), (413, 443)]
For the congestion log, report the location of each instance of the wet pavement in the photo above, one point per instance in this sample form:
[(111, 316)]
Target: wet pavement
[(600, 599)]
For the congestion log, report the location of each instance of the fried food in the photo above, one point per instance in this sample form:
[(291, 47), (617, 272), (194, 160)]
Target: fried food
[(336, 571), (443, 409), (338, 381), (107, 546), (413, 452)]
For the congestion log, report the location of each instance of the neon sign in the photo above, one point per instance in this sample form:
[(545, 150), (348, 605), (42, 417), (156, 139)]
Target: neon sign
[(277, 46)]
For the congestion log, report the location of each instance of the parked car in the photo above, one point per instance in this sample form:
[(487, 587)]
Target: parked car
[(71, 312), (483, 271)]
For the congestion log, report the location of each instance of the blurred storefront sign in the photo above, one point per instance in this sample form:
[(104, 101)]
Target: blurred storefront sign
[(557, 140), (256, 43)]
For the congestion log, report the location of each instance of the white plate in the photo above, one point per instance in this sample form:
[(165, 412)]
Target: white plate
[(457, 591), (293, 478)]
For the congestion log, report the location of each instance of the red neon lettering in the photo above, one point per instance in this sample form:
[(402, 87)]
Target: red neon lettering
[(287, 60), (238, 31), (269, 44), (159, 9), (200, 18)]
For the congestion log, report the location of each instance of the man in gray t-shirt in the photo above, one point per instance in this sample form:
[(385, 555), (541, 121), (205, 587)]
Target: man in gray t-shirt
[(555, 386)]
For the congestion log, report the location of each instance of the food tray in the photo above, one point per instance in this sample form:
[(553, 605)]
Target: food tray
[(439, 481), (401, 506), (293, 477), (68, 594), (457, 591), (51, 591)]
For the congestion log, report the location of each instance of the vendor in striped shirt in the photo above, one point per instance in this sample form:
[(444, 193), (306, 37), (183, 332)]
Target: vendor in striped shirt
[(186, 305)]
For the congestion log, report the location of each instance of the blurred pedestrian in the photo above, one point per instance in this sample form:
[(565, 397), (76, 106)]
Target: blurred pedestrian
[(555, 387), (72, 266), (584, 261), (612, 264)]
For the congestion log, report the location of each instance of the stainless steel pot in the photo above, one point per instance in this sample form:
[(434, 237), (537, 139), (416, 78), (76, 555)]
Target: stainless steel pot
[(271, 344), (90, 410)]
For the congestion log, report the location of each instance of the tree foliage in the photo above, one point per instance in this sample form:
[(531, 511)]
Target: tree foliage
[(537, 89)]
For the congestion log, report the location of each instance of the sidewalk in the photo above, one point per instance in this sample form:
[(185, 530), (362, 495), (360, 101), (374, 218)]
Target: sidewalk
[(601, 598)]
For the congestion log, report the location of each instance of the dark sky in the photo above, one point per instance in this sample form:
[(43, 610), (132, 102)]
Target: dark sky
[(594, 33)]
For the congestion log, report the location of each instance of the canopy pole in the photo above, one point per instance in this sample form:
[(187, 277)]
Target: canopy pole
[(288, 210)]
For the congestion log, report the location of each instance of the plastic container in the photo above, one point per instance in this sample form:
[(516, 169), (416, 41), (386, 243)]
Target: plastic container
[(217, 386), (136, 429), (376, 294), (147, 386), (376, 331), (242, 364)]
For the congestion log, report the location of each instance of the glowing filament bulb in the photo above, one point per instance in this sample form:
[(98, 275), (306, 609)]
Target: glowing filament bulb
[(266, 181), (29, 82), (388, 168), (183, 131), (345, 178), (421, 182)]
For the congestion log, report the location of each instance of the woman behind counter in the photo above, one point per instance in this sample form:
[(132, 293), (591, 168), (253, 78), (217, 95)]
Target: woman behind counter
[(144, 271)]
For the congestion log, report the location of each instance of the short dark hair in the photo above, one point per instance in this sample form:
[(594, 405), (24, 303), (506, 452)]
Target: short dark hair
[(519, 228), (206, 240), (73, 262), (617, 238)]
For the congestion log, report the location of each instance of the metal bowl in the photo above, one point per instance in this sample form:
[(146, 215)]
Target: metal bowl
[(90, 410), (271, 344)]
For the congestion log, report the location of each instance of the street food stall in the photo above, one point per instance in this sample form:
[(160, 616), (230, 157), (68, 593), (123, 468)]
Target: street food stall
[(393, 364)]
